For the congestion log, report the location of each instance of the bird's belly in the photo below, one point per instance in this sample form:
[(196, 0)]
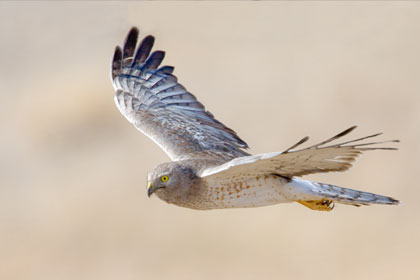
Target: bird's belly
[(255, 192)]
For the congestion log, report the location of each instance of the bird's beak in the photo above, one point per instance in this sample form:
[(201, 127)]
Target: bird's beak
[(150, 189)]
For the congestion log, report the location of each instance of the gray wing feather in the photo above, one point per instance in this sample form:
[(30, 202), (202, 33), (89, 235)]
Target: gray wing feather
[(314, 159), (152, 99)]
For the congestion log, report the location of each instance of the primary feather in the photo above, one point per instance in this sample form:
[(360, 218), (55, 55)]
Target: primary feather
[(314, 159), (152, 99)]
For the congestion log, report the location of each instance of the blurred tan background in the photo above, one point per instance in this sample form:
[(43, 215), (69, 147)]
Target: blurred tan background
[(73, 203)]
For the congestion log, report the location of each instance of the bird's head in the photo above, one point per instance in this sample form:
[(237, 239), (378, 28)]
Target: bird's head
[(171, 180)]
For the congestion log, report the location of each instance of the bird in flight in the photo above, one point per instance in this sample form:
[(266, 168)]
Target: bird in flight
[(210, 167)]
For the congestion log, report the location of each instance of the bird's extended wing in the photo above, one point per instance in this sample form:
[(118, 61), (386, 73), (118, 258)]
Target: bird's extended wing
[(152, 99), (314, 159)]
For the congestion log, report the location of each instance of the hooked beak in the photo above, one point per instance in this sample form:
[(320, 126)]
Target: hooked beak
[(151, 189)]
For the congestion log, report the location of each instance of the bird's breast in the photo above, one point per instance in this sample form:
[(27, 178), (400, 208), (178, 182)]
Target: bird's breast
[(255, 192)]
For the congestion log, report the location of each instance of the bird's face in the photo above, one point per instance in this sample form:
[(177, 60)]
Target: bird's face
[(169, 180), (162, 177)]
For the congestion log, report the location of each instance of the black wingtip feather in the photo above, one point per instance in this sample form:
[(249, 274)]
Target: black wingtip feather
[(144, 49), (345, 132), (303, 140), (339, 135), (130, 42), (116, 62), (167, 69), (155, 60)]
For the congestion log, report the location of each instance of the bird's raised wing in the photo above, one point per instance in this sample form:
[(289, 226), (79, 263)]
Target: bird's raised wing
[(156, 104), (314, 159)]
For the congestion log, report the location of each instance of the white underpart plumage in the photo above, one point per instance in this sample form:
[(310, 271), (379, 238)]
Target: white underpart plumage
[(259, 191)]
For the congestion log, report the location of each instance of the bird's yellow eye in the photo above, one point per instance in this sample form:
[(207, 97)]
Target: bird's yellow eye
[(164, 178)]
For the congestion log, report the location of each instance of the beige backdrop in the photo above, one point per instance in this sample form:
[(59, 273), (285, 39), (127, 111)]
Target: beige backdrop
[(73, 171)]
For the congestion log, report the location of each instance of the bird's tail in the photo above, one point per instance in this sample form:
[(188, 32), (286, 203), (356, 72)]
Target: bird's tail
[(319, 196)]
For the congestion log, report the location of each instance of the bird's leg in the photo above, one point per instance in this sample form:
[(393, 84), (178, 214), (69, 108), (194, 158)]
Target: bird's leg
[(320, 205)]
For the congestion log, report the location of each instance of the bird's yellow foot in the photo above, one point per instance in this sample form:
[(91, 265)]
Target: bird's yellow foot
[(320, 205)]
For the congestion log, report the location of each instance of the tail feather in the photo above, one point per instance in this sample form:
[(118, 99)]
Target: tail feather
[(350, 196), (318, 194)]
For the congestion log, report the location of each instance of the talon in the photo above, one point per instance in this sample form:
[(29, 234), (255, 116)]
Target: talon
[(320, 205)]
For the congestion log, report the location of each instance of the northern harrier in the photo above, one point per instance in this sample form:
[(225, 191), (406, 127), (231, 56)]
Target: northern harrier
[(210, 168)]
